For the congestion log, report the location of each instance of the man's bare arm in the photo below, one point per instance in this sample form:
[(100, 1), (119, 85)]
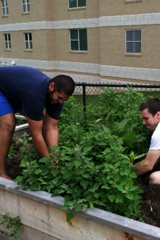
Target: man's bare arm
[(51, 132), (38, 140), (148, 163)]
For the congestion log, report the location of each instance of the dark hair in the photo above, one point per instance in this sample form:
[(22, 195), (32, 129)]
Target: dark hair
[(64, 83), (153, 105)]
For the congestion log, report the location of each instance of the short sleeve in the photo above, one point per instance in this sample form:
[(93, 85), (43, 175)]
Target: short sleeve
[(155, 139)]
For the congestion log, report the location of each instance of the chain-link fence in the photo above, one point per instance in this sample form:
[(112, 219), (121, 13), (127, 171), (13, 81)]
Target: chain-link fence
[(87, 91)]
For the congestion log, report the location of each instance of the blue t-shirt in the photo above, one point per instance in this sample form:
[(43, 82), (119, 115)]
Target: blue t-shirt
[(26, 89)]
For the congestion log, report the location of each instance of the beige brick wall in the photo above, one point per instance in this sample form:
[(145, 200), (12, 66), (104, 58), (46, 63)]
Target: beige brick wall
[(62, 47), (37, 13), (106, 45), (62, 12), (43, 46), (112, 45), (117, 7), (50, 44)]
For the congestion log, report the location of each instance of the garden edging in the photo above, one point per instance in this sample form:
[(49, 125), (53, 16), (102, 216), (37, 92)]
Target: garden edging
[(42, 216)]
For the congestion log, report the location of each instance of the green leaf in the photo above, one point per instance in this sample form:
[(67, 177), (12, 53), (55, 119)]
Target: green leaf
[(22, 149), (69, 217), (106, 186), (67, 174), (85, 207), (79, 207), (119, 199), (43, 160), (140, 156), (77, 163), (91, 204), (38, 171), (19, 179), (122, 124), (65, 208), (96, 186), (111, 198), (34, 188), (130, 196), (133, 175), (98, 120), (24, 163), (84, 184), (129, 136)]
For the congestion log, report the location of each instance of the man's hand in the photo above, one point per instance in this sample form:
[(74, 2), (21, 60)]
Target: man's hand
[(148, 163)]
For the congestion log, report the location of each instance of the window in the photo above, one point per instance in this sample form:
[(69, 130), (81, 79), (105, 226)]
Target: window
[(78, 39), (7, 38), (133, 1), (26, 6), (5, 7), (28, 41), (77, 3), (133, 41)]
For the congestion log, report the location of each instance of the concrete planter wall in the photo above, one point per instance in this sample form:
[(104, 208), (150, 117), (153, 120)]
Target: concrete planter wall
[(43, 219)]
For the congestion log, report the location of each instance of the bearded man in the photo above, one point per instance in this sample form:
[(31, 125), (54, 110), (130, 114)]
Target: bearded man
[(29, 91)]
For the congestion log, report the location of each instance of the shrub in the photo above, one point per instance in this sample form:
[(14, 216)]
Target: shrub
[(96, 156)]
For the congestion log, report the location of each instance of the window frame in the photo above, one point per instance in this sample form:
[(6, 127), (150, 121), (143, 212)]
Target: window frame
[(77, 7), (28, 39), (78, 40), (133, 1), (26, 6), (5, 8), (134, 41), (7, 40)]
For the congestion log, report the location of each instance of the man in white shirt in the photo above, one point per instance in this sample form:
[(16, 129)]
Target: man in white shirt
[(150, 113)]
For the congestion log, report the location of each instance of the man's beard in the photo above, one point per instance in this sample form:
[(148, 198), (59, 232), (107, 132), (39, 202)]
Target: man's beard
[(50, 97)]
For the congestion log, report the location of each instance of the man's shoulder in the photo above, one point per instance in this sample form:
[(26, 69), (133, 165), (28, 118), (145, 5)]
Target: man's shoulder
[(158, 126), (157, 131)]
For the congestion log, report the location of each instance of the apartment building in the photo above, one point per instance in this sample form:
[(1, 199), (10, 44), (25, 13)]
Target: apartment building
[(94, 41)]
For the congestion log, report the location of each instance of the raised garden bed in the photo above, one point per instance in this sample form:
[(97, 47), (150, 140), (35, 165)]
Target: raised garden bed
[(42, 218)]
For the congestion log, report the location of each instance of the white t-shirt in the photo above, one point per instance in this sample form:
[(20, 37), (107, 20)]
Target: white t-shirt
[(155, 139)]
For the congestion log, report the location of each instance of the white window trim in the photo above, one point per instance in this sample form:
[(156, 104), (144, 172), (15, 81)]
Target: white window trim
[(7, 38), (5, 9), (77, 6), (28, 41), (25, 5), (133, 1), (77, 40), (134, 53)]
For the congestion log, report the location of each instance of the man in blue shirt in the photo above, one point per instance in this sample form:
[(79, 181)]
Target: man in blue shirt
[(29, 91)]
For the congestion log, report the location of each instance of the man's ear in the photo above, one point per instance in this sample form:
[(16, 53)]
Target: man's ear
[(158, 115), (51, 87)]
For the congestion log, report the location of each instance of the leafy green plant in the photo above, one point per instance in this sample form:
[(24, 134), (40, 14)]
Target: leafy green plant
[(18, 143), (109, 107), (96, 156), (13, 224), (92, 174)]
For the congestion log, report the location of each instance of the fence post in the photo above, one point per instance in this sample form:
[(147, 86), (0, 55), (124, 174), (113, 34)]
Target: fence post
[(84, 99)]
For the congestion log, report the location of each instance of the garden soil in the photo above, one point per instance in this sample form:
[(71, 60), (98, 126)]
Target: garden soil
[(150, 202)]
